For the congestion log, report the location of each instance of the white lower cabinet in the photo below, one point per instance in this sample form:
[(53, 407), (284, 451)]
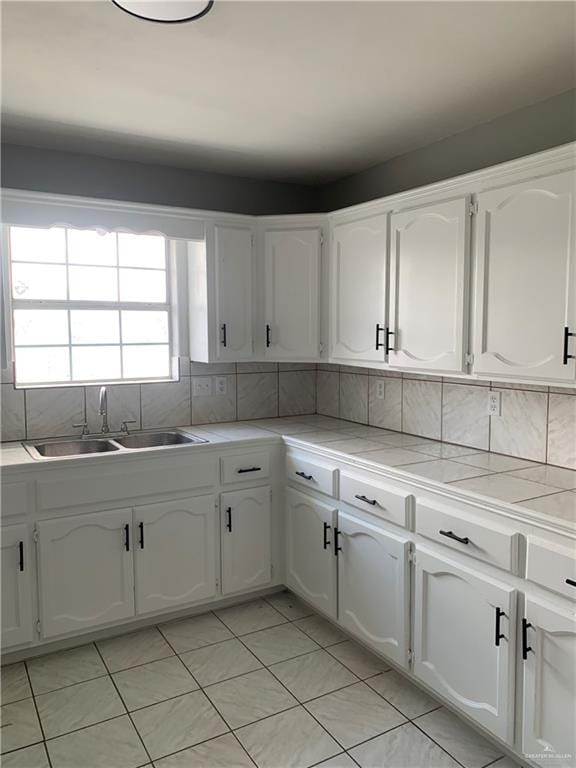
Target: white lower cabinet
[(549, 664), (86, 575), (373, 579), (311, 568), (246, 531), (465, 637), (174, 553), (16, 559)]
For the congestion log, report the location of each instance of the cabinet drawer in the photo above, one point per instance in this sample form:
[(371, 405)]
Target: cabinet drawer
[(381, 500), (468, 534), (244, 466), (311, 474), (551, 565)]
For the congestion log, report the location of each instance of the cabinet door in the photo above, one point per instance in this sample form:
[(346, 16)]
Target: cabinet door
[(429, 286), (459, 612), (548, 733), (16, 558), (292, 288), (358, 289), (526, 280), (175, 545), (311, 567), (373, 593), (86, 573), (233, 263), (246, 539)]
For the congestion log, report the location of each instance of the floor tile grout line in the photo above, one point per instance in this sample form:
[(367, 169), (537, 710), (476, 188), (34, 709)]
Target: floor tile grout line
[(43, 740), (415, 724)]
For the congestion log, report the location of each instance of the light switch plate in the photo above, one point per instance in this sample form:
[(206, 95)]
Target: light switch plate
[(220, 385), (202, 386), (494, 407), (380, 390)]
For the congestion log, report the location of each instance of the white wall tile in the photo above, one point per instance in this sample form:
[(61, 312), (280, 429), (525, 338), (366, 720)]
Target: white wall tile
[(464, 415), (257, 395), (52, 412), (296, 367), (212, 369), (208, 409), (296, 393), (562, 431), (166, 405), (328, 393), (256, 367), (521, 429), (123, 405), (387, 412), (422, 407), (13, 422), (354, 397)]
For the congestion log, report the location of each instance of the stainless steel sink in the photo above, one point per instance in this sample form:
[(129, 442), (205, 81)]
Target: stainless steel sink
[(58, 448), (156, 440)]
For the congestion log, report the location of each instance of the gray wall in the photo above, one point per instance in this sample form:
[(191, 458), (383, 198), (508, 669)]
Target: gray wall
[(70, 173), (541, 126)]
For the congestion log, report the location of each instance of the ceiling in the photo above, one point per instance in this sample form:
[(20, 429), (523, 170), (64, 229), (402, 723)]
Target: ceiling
[(298, 91)]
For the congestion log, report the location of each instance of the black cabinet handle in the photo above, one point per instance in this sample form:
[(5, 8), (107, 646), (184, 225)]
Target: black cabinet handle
[(223, 339), (229, 519), (360, 497), (248, 469), (379, 330), (304, 475), (497, 633), (326, 540), (565, 355), (459, 539), (127, 537), (267, 335), (387, 346), (525, 647), (337, 547), (141, 531), (571, 582), (21, 555)]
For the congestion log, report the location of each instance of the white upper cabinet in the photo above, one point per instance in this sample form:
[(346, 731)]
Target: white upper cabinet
[(220, 294), (373, 594), (16, 562), (525, 307), (358, 265), (292, 293), (549, 660), (175, 553), (465, 636), (429, 257)]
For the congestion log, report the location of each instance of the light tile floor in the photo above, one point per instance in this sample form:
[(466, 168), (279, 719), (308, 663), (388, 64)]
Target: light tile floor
[(267, 684)]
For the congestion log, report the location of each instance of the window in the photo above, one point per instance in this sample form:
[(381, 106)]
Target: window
[(89, 306)]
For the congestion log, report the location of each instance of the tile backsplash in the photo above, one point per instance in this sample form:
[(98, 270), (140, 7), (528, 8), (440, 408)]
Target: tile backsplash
[(537, 423)]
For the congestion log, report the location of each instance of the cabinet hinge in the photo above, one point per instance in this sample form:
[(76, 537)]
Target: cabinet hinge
[(473, 208), (469, 358), (35, 535), (321, 238), (39, 628), (320, 348), (410, 656), (411, 556)]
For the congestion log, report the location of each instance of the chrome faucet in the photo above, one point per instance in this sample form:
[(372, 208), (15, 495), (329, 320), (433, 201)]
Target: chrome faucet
[(103, 409)]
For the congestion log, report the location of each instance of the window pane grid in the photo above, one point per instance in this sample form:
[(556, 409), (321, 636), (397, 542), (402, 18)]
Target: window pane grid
[(94, 350)]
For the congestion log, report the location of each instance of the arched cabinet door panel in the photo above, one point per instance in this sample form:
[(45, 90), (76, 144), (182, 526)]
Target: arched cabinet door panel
[(429, 274), (459, 613), (358, 265), (525, 296)]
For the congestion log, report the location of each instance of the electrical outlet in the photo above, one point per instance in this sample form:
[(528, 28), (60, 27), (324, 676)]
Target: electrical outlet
[(494, 404), (202, 386), (220, 385), (380, 390)]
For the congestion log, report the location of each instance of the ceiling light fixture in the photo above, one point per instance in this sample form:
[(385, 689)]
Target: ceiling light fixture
[(166, 11)]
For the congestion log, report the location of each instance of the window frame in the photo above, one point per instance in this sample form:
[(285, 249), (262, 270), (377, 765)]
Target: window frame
[(169, 306)]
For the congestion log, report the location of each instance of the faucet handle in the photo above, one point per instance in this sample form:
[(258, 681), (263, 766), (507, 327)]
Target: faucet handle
[(84, 426), (124, 425)]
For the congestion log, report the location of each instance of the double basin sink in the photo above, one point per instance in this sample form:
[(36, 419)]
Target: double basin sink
[(53, 449)]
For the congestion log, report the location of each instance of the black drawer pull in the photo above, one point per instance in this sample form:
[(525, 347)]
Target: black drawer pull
[(248, 469), (326, 540), (525, 647), (127, 537), (373, 502), (305, 476), (565, 355), (571, 582), (21, 555), (267, 335), (141, 530), (379, 329), (460, 539), (497, 633), (223, 339), (337, 547), (229, 519), (388, 348)]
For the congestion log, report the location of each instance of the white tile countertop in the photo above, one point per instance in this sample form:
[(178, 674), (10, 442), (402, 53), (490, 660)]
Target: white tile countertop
[(545, 489)]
